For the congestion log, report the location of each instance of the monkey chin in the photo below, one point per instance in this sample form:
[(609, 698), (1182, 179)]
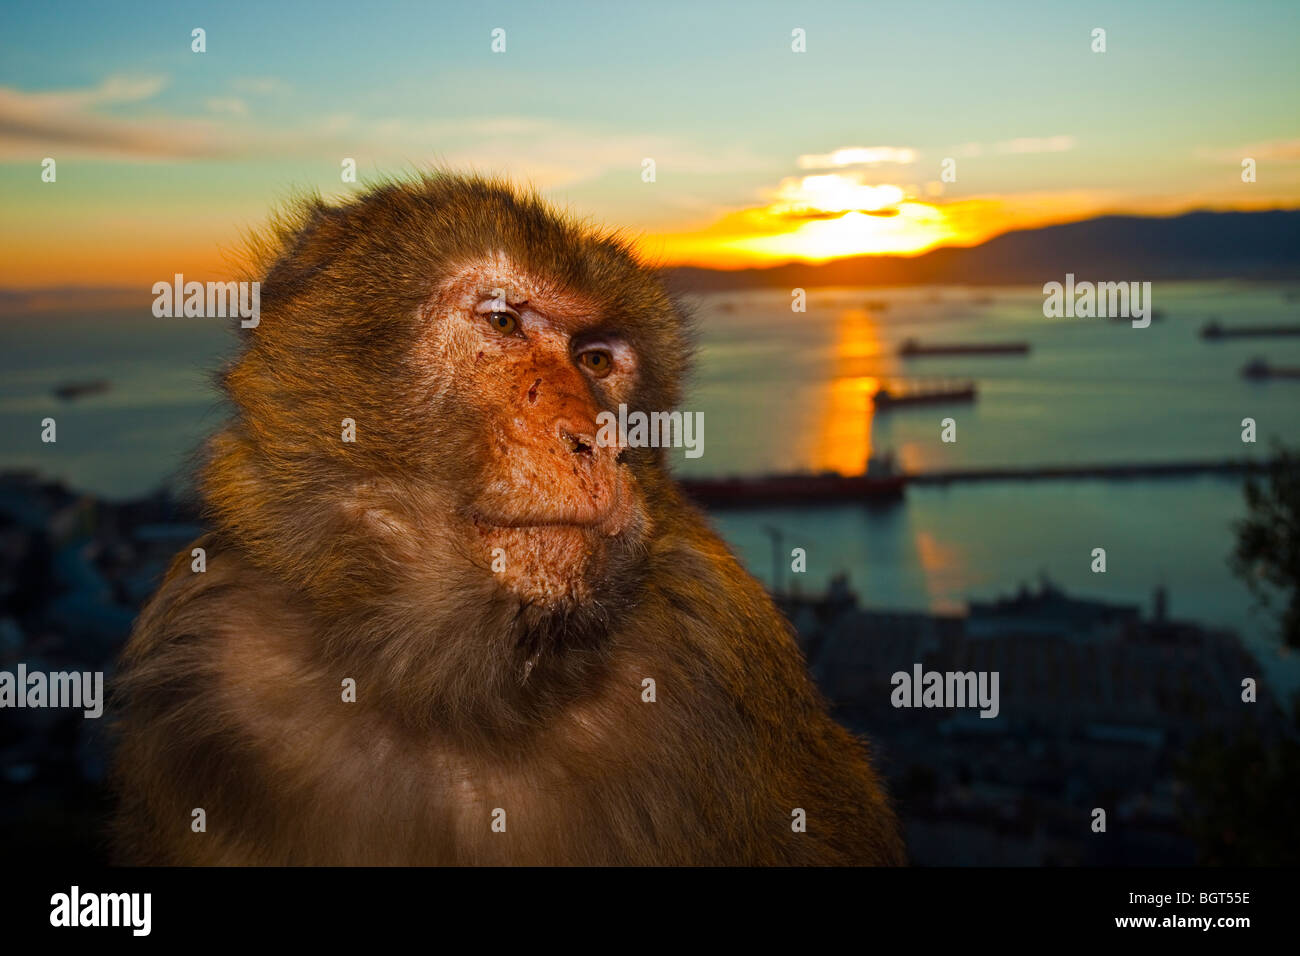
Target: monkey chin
[(554, 555), (557, 567)]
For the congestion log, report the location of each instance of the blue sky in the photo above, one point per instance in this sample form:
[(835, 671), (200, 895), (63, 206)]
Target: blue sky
[(712, 91)]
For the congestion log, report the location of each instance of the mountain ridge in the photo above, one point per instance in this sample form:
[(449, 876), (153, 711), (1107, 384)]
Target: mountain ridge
[(1195, 245)]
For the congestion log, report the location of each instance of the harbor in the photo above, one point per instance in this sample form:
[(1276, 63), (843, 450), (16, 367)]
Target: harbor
[(1083, 672)]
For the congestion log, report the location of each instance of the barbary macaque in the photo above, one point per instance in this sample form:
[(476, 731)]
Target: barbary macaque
[(456, 628)]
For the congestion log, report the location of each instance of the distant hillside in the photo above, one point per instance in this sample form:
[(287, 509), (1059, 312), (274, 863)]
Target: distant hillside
[(88, 298), (1199, 245)]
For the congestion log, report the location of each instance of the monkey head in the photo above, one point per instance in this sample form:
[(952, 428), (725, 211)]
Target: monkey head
[(415, 432)]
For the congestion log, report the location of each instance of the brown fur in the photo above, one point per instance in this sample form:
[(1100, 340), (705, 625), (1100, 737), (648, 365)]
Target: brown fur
[(371, 560)]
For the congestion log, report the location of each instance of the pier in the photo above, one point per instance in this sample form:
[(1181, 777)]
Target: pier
[(794, 489), (832, 488), (1117, 471)]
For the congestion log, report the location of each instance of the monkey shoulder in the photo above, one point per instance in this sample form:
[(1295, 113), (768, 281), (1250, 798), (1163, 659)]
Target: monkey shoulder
[(206, 672), (745, 698), (201, 602)]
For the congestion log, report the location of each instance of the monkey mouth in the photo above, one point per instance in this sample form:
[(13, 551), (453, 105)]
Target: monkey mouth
[(553, 551), (604, 508), (608, 521)]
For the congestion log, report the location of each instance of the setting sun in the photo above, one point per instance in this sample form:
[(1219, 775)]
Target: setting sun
[(819, 217), (914, 227), (842, 214)]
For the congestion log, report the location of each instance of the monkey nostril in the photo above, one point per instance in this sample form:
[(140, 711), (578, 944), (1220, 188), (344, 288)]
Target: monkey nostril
[(532, 392), (579, 444)]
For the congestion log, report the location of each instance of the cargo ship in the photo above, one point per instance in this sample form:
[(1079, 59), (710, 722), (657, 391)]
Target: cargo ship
[(897, 394), (1259, 370), (1214, 331), (911, 348), (71, 390)]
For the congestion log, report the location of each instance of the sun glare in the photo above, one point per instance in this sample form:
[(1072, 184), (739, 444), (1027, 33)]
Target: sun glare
[(835, 192), (844, 436), (913, 228), (819, 217)]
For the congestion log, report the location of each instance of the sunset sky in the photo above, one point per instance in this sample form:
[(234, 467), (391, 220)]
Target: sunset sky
[(165, 156)]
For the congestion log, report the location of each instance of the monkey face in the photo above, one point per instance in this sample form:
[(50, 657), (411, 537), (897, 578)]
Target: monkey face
[(549, 497), (472, 336)]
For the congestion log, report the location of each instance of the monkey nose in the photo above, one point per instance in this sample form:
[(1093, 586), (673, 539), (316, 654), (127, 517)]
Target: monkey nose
[(577, 442)]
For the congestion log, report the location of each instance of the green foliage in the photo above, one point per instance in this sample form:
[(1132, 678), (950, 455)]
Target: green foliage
[(1242, 793), (1242, 788), (1267, 555)]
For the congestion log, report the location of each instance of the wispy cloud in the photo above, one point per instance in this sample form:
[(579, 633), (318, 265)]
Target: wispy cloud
[(1033, 144), (1278, 150), (857, 156), (227, 104), (113, 90), (36, 123), (864, 156), (1024, 144), (259, 85), (549, 153)]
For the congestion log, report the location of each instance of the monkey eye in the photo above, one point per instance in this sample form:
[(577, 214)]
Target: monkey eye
[(504, 322), (599, 362)]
